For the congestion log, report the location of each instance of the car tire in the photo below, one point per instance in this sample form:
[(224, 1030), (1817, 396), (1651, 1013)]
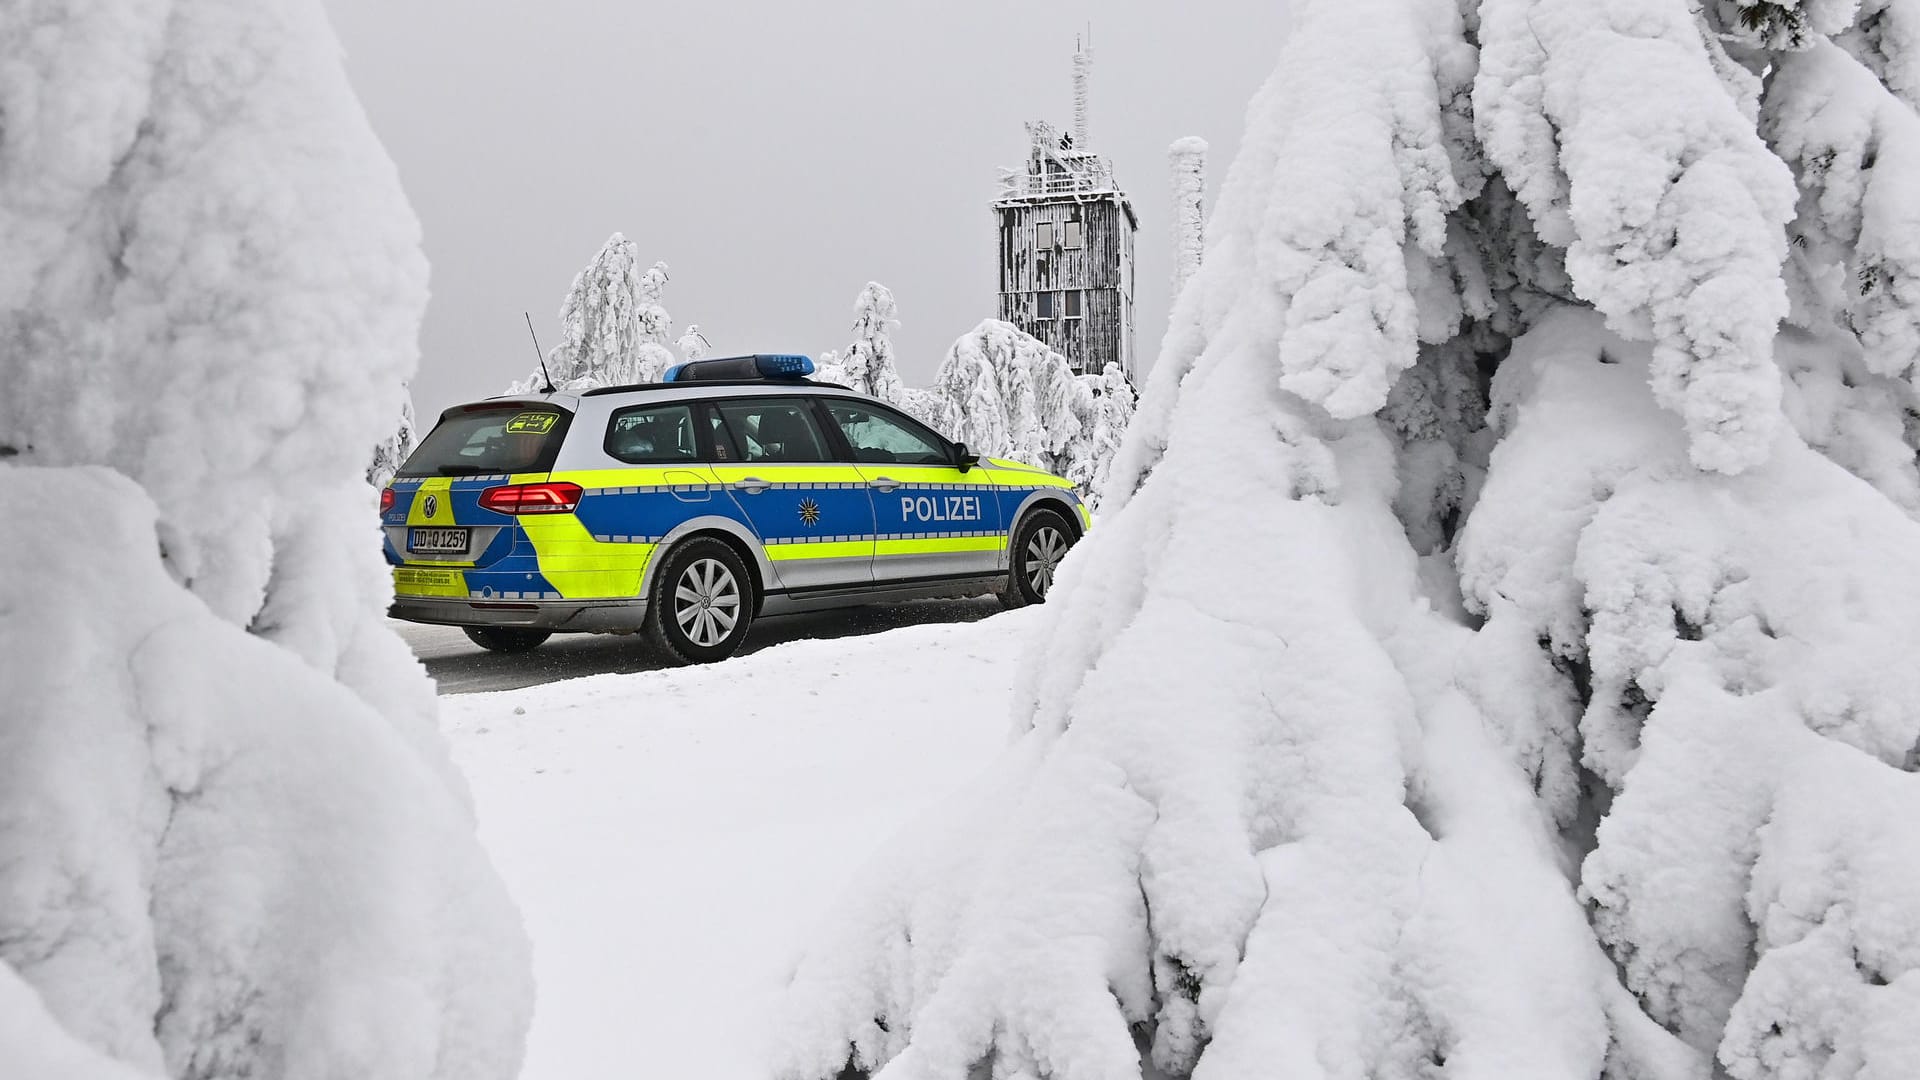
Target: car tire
[(702, 584), (1041, 541), (506, 639)]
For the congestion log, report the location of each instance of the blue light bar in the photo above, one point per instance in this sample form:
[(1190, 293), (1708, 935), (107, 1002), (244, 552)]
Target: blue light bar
[(783, 366), (757, 366)]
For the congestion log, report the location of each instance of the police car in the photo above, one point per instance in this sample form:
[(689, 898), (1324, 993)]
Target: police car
[(685, 509)]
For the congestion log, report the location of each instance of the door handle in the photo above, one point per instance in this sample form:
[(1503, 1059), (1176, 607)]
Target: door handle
[(884, 483), (752, 485)]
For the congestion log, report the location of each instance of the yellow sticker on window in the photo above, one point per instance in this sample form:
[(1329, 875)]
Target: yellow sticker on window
[(531, 423)]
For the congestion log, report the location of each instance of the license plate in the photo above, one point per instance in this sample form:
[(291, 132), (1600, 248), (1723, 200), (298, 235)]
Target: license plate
[(437, 541)]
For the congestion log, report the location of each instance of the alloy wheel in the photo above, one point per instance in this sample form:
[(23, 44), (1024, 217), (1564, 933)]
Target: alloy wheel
[(1045, 548), (706, 602)]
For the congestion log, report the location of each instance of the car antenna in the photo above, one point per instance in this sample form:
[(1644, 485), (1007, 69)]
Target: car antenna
[(538, 355)]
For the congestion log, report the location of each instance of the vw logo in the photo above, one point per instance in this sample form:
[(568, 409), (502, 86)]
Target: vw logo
[(433, 504)]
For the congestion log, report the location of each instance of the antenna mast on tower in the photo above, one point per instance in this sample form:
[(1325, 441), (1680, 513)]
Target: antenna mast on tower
[(1082, 71)]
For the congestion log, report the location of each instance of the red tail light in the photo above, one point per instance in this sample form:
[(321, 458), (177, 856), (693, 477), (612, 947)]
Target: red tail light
[(557, 498), (386, 499)]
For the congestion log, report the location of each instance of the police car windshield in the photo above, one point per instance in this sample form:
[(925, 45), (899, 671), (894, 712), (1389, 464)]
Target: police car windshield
[(485, 440)]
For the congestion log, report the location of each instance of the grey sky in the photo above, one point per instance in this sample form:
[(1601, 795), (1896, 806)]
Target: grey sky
[(777, 155)]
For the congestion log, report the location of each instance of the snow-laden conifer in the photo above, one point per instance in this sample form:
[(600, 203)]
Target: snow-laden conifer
[(231, 839), (1004, 393), (613, 329), (392, 451), (1672, 219), (1885, 38), (967, 405), (693, 344), (1091, 462), (1491, 657), (868, 362)]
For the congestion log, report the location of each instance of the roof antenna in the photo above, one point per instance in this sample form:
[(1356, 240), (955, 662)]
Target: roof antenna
[(537, 354)]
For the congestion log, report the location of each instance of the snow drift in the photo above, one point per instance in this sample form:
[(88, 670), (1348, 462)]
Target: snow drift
[(1493, 660), (220, 861)]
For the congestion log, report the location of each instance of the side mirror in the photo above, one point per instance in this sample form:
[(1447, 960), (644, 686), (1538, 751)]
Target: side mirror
[(963, 459)]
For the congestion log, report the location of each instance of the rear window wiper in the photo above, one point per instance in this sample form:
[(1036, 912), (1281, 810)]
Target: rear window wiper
[(464, 470)]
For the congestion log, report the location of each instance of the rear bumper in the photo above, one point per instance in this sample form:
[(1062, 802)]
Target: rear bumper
[(561, 615)]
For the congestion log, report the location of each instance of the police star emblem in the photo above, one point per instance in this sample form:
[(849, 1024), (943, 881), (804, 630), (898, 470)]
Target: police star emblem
[(809, 513)]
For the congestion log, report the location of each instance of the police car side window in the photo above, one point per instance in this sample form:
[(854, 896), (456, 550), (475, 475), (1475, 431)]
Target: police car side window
[(878, 437), (773, 430), (725, 446), (653, 435)]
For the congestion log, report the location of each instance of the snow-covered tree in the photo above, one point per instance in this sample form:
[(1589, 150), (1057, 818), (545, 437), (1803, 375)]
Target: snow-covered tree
[(392, 451), (868, 362), (231, 839), (966, 404), (1004, 393), (923, 404), (1090, 457), (614, 331), (693, 343), (1554, 715)]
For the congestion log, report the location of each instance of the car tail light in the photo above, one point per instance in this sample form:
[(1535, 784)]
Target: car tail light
[(386, 499), (556, 498)]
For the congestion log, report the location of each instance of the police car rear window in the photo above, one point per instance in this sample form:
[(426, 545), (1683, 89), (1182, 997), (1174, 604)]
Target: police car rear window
[(487, 440)]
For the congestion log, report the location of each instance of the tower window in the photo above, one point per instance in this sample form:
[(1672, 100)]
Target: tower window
[(1043, 235), (1043, 306), (1072, 298), (1072, 240)]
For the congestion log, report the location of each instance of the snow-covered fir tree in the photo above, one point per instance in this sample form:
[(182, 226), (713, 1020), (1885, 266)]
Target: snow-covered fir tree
[(656, 329), (867, 365), (1004, 393), (391, 452), (613, 329), (1549, 380), (1090, 460), (693, 343), (232, 842), (869, 362)]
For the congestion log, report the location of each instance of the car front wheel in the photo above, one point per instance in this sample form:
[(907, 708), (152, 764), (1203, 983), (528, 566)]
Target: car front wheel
[(702, 602), (1038, 546)]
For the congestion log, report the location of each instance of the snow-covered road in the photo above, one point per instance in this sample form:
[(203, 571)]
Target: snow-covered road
[(671, 834), (459, 666)]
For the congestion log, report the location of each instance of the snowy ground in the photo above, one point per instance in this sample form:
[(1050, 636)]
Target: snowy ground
[(458, 666), (670, 834)]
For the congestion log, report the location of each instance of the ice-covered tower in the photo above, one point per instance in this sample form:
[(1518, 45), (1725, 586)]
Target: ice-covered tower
[(1066, 243)]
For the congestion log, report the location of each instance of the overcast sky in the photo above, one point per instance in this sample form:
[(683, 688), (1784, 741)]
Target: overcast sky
[(776, 155)]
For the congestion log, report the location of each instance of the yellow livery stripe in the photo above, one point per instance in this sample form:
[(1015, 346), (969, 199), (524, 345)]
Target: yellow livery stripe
[(849, 549), (1027, 478), (939, 544), (580, 567)]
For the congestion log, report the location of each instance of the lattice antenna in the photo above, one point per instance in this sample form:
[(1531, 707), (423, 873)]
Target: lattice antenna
[(1082, 72)]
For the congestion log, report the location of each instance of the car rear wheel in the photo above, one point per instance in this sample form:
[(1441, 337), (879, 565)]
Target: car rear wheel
[(506, 639), (702, 602), (1039, 544)]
